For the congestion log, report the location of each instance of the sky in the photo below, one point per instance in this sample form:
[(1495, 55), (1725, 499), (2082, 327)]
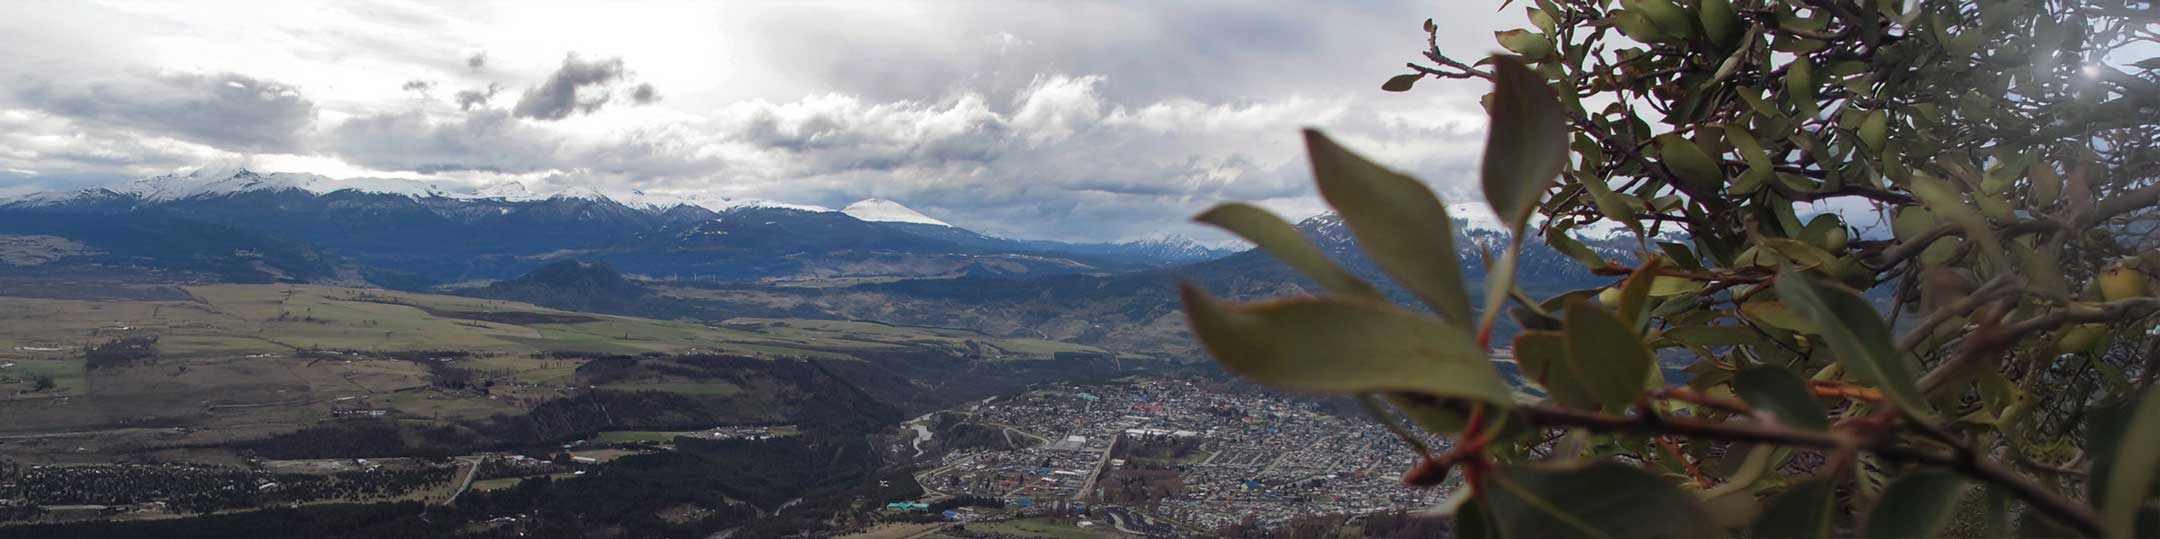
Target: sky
[(1062, 119)]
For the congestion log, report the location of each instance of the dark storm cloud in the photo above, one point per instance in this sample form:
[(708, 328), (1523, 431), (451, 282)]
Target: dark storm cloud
[(476, 98), (487, 139), (228, 111), (644, 94), (576, 87)]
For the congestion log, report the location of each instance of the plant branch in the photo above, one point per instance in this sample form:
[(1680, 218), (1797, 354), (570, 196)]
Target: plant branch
[(2056, 506)]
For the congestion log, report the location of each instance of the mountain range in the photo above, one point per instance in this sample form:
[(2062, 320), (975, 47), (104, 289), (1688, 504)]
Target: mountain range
[(405, 233), (674, 257)]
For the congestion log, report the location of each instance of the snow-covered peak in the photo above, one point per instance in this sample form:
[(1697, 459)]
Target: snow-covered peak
[(1179, 247), (220, 180), (1475, 216), (225, 180), (881, 210)]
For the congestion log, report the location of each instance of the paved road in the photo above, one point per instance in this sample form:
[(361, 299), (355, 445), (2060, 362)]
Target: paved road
[(472, 468)]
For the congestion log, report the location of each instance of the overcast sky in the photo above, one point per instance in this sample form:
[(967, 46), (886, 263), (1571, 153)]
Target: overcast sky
[(1062, 119)]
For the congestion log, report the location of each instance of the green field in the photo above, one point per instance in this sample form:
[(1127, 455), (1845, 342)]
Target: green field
[(847, 334), (637, 436), (235, 362), (1040, 527)]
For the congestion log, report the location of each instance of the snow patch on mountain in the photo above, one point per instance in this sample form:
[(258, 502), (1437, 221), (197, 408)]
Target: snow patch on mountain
[(1177, 247), (886, 211), (225, 180)]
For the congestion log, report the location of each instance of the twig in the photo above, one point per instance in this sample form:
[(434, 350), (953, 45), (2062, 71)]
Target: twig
[(2056, 506)]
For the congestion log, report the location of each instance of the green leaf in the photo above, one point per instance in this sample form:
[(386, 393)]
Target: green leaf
[(1635, 295), (1776, 314), (1542, 19), (1615, 206), (2130, 466), (1526, 43), (1401, 83), (1807, 510), (1543, 357), (1690, 164), (1872, 128), (1720, 23), (1472, 521), (1944, 201), (1280, 238), (1800, 88), (1680, 254), (1526, 145), (1559, 240), (1336, 345), (1402, 225), (1635, 24), (1857, 334), (1916, 505), (1606, 356), (1759, 169), (1524, 151), (1603, 500), (1669, 18), (1778, 391)]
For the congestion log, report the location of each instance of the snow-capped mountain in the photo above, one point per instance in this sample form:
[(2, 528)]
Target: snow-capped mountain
[(440, 233), (213, 181), (878, 210), (1174, 247)]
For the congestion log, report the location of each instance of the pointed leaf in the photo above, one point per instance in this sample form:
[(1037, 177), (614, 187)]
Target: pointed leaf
[(1872, 128), (1800, 87), (1402, 225), (1635, 295), (1605, 355), (1720, 23), (1401, 83), (1805, 511), (1779, 392), (1335, 345), (1615, 206), (1526, 145), (1524, 42), (1280, 238), (2131, 465), (1778, 315), (1916, 505), (1759, 168), (1603, 500), (1857, 334), (1543, 357), (1690, 163)]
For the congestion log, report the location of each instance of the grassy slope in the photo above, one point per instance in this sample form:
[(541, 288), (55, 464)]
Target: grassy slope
[(235, 359)]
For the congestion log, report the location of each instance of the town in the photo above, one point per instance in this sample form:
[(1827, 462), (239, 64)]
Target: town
[(1163, 457)]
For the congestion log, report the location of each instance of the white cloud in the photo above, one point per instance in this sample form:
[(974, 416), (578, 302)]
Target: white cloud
[(1097, 120)]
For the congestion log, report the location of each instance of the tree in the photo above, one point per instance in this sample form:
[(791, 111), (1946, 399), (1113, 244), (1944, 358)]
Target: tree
[(1994, 347), (40, 382)]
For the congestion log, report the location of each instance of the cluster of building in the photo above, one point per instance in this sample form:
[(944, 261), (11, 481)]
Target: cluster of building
[(1195, 453)]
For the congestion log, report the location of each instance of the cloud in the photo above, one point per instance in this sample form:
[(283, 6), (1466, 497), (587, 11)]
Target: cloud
[(1036, 118), (228, 111), (576, 87), (476, 98), (417, 85)]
